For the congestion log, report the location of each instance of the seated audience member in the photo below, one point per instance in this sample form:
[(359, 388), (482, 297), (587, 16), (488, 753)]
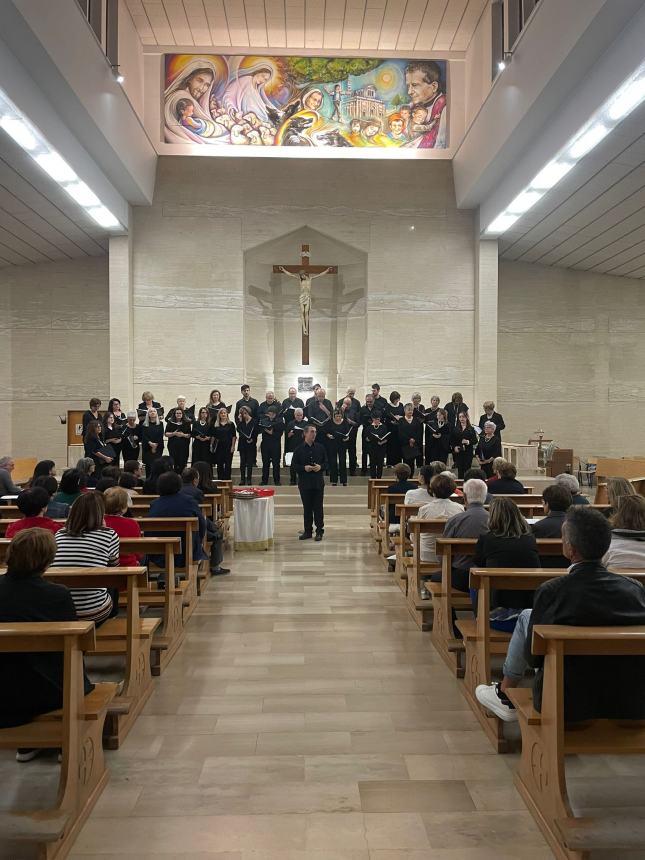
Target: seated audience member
[(557, 501), (475, 474), (117, 503), (509, 542), (506, 483), (190, 484), (104, 484), (588, 596), (87, 467), (617, 487), (627, 548), (469, 523), (159, 467), (43, 469), (401, 485), (32, 504), (573, 485), (173, 503), (69, 488), (55, 510), (422, 492), (113, 472), (32, 682), (7, 486), (497, 462), (439, 507), (85, 541), (134, 467), (129, 484), (206, 483)]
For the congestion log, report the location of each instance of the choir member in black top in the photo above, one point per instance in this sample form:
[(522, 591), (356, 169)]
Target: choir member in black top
[(202, 433), (246, 400), (148, 402), (189, 411), (131, 438), (311, 462), (488, 447), (380, 403), (152, 439), (319, 413), (491, 415), (454, 409), (365, 419), (430, 420), (377, 436), (350, 410), (94, 446), (294, 433), (271, 427), (290, 404), (113, 435), (419, 414), (463, 442), (269, 401), (224, 442), (247, 440), (393, 417), (408, 437), (215, 404), (338, 441), (178, 434), (114, 408), (311, 399), (91, 414), (437, 437)]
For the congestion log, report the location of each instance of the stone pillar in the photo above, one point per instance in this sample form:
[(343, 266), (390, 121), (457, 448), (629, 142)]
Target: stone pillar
[(486, 256), (121, 321)]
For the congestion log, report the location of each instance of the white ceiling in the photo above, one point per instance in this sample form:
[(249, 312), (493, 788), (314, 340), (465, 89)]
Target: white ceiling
[(357, 25), (594, 219), (39, 222)]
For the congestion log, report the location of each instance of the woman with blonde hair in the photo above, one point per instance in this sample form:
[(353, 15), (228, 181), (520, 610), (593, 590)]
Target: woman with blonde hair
[(627, 548), (148, 402), (617, 487)]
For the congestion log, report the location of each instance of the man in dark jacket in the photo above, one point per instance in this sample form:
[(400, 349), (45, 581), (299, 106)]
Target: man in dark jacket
[(588, 596), (557, 501), (506, 483), (310, 461)]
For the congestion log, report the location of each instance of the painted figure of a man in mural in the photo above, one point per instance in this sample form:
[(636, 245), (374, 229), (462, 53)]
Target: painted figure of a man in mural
[(188, 105), (423, 82), (335, 96), (305, 293)]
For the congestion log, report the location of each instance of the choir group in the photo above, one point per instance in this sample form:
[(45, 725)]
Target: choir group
[(391, 432)]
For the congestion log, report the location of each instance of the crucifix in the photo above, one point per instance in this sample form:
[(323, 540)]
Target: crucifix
[(305, 274)]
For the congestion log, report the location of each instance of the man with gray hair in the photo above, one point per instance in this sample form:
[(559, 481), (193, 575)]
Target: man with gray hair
[(7, 486), (471, 523), (572, 484)]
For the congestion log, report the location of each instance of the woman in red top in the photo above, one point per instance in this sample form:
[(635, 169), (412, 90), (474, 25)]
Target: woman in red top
[(32, 504), (117, 502)]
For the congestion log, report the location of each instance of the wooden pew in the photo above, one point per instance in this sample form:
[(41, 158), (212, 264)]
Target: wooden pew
[(601, 490), (129, 637), (383, 537), (546, 740), (185, 526), (403, 545), (75, 729)]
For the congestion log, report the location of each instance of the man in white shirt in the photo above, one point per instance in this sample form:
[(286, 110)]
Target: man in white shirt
[(422, 494)]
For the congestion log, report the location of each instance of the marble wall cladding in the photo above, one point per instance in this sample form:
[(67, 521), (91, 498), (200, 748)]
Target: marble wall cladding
[(54, 323), (206, 246), (571, 354)]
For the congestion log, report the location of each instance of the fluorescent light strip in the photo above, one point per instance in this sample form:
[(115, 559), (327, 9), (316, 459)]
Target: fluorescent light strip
[(27, 136), (626, 99)]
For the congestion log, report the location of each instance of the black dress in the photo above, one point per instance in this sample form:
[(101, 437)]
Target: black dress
[(247, 441), (463, 453), (214, 409), (131, 443), (223, 440), (394, 454), (408, 431), (151, 433), (113, 436), (487, 448), (178, 446), (437, 442), (201, 447)]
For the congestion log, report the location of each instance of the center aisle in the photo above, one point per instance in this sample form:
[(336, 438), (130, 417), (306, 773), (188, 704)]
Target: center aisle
[(307, 718)]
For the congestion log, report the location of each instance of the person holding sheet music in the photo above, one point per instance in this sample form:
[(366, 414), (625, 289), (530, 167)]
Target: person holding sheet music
[(495, 417), (202, 433), (247, 401), (454, 409), (294, 436), (350, 409), (224, 436), (419, 411), (152, 439), (408, 437), (338, 441), (290, 404), (430, 419), (437, 436), (148, 402), (189, 411), (377, 436), (114, 408), (95, 446), (271, 427), (178, 433), (392, 417), (463, 442), (215, 404), (131, 438), (319, 413), (113, 435), (91, 414), (489, 446), (365, 417), (247, 440)]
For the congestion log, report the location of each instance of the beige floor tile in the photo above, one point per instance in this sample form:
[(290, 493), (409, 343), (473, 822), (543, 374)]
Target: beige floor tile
[(456, 767), (217, 705), (303, 704), (332, 831), (490, 795), (483, 829), (399, 742), (303, 743), (261, 723), (415, 796), (354, 767), (395, 830), (349, 721), (258, 769)]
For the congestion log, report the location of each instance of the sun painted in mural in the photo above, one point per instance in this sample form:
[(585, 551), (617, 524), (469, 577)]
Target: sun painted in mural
[(221, 100)]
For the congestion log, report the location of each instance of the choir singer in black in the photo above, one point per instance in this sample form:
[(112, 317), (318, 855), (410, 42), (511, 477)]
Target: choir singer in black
[(310, 461)]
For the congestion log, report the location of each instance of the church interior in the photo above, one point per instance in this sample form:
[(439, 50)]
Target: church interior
[(322, 464)]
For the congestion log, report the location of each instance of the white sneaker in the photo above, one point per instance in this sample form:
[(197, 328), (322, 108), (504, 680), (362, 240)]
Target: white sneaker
[(495, 701)]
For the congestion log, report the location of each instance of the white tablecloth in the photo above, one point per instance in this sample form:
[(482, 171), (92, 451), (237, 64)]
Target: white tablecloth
[(253, 524)]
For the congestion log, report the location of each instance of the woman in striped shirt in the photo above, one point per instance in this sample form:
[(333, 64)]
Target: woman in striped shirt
[(86, 542)]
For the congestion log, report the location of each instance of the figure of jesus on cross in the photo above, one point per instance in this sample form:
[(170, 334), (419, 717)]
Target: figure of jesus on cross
[(305, 274)]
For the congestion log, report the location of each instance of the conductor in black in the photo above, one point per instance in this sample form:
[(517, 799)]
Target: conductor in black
[(310, 460)]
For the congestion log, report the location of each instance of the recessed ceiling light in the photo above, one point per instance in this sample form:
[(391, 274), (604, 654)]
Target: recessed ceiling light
[(501, 66), (82, 193), (55, 166), (627, 99), (586, 142), (103, 216), (502, 223), (524, 201), (20, 132), (551, 174)]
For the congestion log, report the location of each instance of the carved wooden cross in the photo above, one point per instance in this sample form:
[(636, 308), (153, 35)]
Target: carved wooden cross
[(310, 270)]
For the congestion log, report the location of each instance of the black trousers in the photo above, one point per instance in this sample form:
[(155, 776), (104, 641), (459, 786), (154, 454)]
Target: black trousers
[(312, 505), (377, 456), (351, 448), (411, 463), (337, 454), (463, 461), (247, 462), (270, 450), (224, 467), (367, 451)]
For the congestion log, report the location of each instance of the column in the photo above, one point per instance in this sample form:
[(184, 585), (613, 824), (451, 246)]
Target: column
[(121, 320), (486, 257)]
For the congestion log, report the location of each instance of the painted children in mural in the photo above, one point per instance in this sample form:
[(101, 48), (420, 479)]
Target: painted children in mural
[(423, 82), (396, 128), (192, 86)]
